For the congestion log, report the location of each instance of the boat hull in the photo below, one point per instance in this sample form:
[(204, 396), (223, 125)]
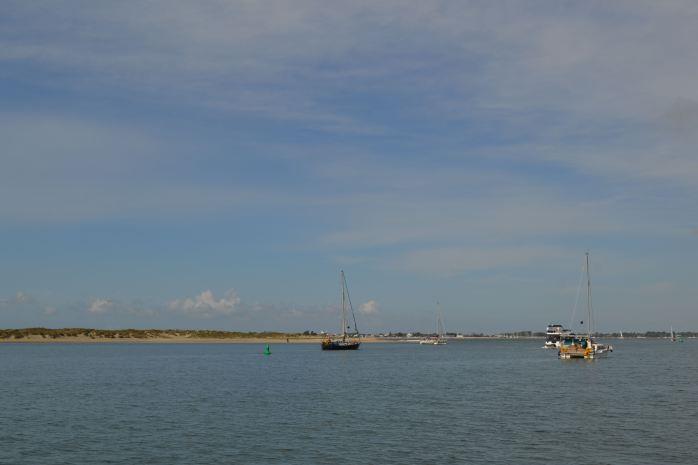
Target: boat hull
[(576, 354), (340, 345), (595, 351), (587, 356)]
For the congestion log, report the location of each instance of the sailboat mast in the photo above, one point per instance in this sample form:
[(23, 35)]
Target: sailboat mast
[(351, 307), (344, 319), (588, 297), (437, 323)]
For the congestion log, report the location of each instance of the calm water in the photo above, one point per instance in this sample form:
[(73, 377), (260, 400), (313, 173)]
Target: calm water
[(469, 402)]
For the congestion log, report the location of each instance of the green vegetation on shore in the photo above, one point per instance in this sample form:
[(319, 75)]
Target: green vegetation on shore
[(59, 333), (49, 333)]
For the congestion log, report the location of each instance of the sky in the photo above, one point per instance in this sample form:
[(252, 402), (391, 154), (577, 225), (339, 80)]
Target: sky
[(178, 164)]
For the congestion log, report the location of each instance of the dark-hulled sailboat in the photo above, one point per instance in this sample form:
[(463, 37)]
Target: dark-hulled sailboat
[(347, 341)]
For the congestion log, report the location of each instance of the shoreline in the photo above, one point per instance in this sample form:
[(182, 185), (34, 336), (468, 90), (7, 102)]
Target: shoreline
[(40, 335), (34, 339), (37, 339)]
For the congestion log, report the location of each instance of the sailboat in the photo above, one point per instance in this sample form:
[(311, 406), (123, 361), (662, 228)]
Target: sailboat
[(440, 338), (440, 331), (674, 337), (584, 346), (347, 341)]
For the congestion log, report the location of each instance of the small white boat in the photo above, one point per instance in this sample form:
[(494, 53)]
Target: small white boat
[(440, 338), (601, 349), (674, 337)]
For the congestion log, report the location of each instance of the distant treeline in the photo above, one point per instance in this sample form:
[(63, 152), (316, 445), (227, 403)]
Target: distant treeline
[(541, 334), (659, 334), (49, 333), (420, 334), (647, 334)]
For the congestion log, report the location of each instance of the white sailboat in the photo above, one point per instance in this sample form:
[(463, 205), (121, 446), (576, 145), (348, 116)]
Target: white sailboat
[(440, 338), (440, 330), (674, 337)]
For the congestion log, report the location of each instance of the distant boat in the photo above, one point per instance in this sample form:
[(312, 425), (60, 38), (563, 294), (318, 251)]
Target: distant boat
[(584, 346), (348, 341), (440, 329), (621, 335), (674, 337), (440, 338), (554, 334)]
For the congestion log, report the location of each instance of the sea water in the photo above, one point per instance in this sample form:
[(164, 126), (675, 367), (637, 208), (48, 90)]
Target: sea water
[(470, 402)]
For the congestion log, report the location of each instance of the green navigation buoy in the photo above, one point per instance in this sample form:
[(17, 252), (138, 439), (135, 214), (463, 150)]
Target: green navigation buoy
[(267, 350)]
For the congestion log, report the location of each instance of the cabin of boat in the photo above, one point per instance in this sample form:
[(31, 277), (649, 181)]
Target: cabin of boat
[(576, 347), (582, 347)]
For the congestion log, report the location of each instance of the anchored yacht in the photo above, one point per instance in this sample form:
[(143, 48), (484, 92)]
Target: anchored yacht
[(554, 334)]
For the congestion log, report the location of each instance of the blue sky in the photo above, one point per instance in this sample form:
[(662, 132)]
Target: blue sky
[(178, 164)]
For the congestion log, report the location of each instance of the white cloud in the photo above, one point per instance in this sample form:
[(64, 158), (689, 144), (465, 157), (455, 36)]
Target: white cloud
[(100, 306), (369, 308), (49, 310), (206, 304), (20, 299), (115, 308)]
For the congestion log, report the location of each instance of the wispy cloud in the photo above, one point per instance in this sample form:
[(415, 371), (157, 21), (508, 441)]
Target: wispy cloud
[(100, 306), (20, 298), (369, 308), (114, 308), (453, 260), (260, 59), (205, 305)]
